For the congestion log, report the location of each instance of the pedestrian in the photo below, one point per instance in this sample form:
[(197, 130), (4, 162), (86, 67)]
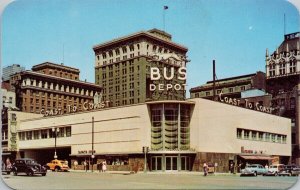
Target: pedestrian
[(205, 169), (66, 162), (8, 163), (85, 165), (266, 166), (100, 167), (231, 167), (104, 166), (239, 167), (75, 164)]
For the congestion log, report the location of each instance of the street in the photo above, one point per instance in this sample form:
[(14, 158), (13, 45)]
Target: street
[(193, 180)]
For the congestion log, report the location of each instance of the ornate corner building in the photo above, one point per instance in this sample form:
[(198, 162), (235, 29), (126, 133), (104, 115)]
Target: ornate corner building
[(283, 82)]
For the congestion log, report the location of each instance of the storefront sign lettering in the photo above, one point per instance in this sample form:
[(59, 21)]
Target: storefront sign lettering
[(86, 151)]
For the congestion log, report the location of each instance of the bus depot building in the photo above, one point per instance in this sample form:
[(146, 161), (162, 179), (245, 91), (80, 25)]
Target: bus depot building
[(180, 136)]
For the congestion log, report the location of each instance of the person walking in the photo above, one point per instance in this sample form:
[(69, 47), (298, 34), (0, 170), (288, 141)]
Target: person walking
[(104, 166), (85, 165), (75, 164), (205, 169)]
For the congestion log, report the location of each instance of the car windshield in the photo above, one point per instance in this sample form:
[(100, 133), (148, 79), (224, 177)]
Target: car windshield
[(30, 161)]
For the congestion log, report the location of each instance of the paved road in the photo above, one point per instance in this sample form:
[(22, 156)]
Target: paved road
[(82, 180)]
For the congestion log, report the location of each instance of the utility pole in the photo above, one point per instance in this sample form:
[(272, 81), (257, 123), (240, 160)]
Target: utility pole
[(214, 81)]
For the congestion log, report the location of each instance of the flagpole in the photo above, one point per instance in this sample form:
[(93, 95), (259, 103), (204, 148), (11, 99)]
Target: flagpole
[(165, 8)]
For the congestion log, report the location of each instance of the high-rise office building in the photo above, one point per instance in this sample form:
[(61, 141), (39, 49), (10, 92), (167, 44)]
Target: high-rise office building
[(123, 68), (10, 70)]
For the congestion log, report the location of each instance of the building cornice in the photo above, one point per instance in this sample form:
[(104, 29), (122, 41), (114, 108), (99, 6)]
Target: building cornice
[(137, 35), (54, 65), (60, 79)]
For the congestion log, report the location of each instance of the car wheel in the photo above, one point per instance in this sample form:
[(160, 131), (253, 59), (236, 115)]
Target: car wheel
[(44, 174), (56, 169), (255, 173), (276, 174), (30, 173)]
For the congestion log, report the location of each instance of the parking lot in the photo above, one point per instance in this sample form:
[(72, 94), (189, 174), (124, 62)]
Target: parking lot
[(176, 180)]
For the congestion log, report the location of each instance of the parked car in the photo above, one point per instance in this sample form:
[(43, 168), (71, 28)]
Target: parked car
[(290, 170), (28, 166), (257, 169), (247, 172), (275, 169), (57, 165)]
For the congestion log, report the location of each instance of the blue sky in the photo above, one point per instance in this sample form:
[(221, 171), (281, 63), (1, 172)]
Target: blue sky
[(235, 33)]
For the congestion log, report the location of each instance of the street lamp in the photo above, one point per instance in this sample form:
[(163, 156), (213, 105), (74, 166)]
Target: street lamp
[(93, 156), (55, 130)]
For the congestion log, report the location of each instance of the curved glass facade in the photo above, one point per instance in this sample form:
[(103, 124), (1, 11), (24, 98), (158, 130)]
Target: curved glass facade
[(170, 130)]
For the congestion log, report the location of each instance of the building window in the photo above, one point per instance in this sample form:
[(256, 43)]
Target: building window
[(242, 88), (282, 68), (293, 66), (196, 95), (44, 134), (207, 93), (260, 136), (254, 135), (239, 133), (22, 136), (124, 49), (68, 131), (36, 134), (272, 70), (292, 103), (230, 89), (104, 55), (284, 139), (267, 137), (219, 91), (117, 52), (28, 135), (13, 117), (131, 47), (246, 134)]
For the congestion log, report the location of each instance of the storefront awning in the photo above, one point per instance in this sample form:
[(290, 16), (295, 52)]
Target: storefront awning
[(256, 157)]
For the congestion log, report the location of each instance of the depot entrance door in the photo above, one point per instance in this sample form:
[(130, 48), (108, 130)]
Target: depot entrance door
[(171, 163)]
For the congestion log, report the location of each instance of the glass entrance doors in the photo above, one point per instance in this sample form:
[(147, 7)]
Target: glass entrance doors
[(170, 163)]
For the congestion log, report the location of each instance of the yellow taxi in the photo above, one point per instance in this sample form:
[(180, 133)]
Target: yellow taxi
[(58, 165)]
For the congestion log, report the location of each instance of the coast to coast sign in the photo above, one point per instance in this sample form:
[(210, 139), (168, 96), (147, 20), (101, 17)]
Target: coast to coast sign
[(250, 105), (72, 109)]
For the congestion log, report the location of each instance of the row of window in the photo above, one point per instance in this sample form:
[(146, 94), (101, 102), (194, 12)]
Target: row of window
[(283, 67), (45, 134), (58, 87), (260, 136), (218, 91), (60, 74)]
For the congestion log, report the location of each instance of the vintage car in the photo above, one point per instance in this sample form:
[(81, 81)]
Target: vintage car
[(28, 166), (290, 170), (57, 165), (254, 169), (275, 169)]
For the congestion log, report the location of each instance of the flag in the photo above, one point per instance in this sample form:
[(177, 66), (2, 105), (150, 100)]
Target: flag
[(166, 7)]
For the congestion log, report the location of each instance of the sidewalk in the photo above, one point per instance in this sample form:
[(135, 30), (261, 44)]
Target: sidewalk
[(155, 172)]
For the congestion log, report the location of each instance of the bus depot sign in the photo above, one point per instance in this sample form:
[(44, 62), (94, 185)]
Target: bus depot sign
[(168, 74), (249, 105), (72, 109)]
